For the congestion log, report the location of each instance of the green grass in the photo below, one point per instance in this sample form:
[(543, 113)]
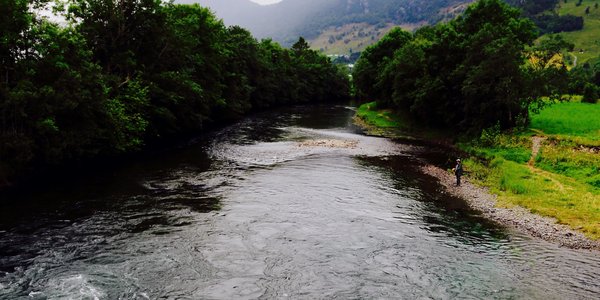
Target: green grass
[(396, 124), (563, 198), (588, 38), (564, 182), (573, 131), (515, 148), (582, 166), (382, 118), (571, 119)]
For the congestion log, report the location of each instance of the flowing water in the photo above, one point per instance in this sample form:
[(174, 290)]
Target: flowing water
[(294, 204)]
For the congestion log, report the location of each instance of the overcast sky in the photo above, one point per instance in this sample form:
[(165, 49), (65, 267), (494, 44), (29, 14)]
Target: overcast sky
[(264, 2)]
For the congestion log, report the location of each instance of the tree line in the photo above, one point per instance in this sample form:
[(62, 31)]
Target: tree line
[(585, 80), (479, 70), (123, 73), (543, 13)]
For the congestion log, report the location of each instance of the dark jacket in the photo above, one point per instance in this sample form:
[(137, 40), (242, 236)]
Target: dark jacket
[(458, 170)]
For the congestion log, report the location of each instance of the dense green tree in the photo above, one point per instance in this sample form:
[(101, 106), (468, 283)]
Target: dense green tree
[(126, 72), (373, 59), (494, 86), (187, 81), (317, 77), (242, 70), (590, 93), (543, 13), (123, 34), (15, 24), (468, 74), (270, 80)]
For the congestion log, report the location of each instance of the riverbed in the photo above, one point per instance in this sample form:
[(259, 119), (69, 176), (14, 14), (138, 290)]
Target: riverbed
[(294, 203)]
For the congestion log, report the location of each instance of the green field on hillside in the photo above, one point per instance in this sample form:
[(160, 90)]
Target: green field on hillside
[(355, 37), (587, 39), (569, 118)]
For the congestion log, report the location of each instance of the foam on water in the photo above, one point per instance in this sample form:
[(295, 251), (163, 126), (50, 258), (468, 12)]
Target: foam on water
[(74, 286), (270, 153)]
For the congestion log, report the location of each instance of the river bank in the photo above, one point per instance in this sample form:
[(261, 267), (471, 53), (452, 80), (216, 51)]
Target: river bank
[(480, 199), (482, 194)]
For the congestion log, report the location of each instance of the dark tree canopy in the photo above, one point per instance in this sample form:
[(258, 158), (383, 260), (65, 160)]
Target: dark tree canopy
[(124, 73), (476, 71), (543, 13)]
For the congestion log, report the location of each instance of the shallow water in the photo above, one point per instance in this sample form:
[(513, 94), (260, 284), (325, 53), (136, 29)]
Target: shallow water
[(249, 212)]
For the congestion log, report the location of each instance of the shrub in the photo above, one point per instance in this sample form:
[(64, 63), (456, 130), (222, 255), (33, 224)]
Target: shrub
[(590, 93), (490, 136)]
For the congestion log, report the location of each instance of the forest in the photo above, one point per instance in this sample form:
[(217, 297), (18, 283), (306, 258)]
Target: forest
[(120, 75), (479, 70), (543, 14), (380, 12)]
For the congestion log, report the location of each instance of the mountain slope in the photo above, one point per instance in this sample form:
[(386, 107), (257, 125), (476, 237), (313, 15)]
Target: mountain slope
[(587, 40), (280, 21), (287, 20)]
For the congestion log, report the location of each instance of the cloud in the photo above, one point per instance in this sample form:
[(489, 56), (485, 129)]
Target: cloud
[(266, 2)]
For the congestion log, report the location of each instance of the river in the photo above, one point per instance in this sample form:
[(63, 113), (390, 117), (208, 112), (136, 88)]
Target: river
[(269, 209)]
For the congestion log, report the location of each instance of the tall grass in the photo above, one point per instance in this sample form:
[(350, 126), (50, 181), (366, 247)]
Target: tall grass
[(565, 199), (383, 118), (565, 181), (515, 148)]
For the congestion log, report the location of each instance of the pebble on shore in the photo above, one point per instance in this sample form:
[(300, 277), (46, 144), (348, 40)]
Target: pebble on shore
[(330, 143)]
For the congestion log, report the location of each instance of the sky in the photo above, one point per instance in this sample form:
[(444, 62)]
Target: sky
[(265, 2)]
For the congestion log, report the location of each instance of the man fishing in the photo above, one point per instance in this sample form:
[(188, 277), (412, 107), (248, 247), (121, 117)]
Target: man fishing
[(458, 171)]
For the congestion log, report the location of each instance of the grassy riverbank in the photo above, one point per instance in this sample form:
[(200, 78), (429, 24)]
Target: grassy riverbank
[(390, 123), (552, 168)]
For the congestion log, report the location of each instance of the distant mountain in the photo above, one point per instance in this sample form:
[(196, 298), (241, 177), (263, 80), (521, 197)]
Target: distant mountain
[(282, 21), (287, 20)]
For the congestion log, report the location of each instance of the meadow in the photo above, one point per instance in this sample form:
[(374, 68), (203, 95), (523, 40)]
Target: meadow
[(562, 180), (587, 40), (570, 119)]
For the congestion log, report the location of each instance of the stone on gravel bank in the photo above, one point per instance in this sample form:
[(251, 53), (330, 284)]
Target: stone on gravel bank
[(330, 143)]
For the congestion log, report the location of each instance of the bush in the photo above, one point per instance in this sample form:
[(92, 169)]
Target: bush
[(490, 136), (590, 93)]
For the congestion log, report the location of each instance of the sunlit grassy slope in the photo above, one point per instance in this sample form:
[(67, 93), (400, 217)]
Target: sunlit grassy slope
[(354, 37), (569, 118), (587, 39), (563, 181)]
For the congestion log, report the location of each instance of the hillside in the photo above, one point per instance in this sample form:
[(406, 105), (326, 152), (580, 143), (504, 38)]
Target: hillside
[(347, 26), (587, 40), (350, 38), (578, 21), (318, 20), (281, 21), (355, 37)]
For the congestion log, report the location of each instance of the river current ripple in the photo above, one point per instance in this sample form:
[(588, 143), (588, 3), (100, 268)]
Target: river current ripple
[(267, 209)]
